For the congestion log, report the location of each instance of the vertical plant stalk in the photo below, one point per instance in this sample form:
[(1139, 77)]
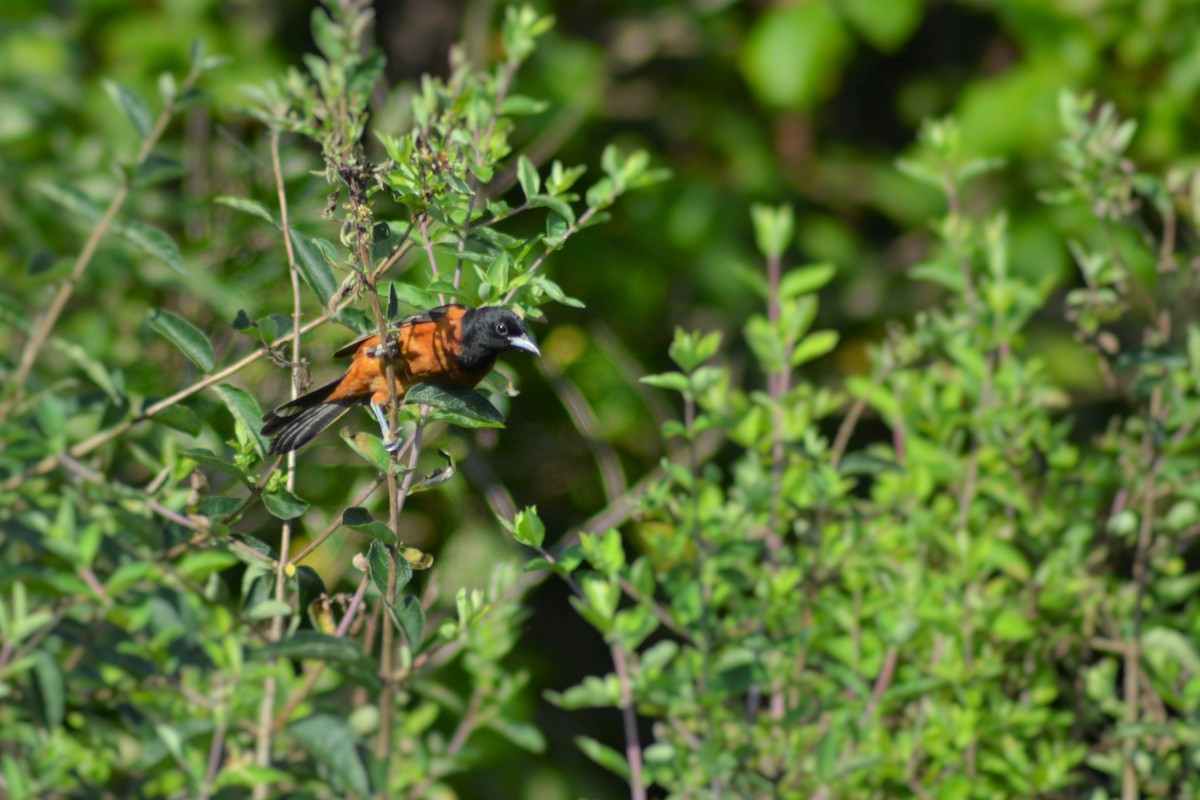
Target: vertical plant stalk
[(387, 698), (397, 493), (45, 325), (262, 750), (628, 708), (706, 589), (633, 744), (1141, 576), (777, 386)]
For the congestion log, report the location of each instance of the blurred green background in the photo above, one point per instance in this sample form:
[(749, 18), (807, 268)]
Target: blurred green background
[(804, 102)]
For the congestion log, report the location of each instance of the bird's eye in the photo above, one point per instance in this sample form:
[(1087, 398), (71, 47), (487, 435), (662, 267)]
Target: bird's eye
[(501, 329)]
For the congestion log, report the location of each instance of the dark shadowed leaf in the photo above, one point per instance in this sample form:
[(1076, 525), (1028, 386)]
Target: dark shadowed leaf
[(282, 504), (206, 458), (864, 464), (377, 560), (256, 545), (437, 477), (329, 740), (410, 620), (156, 169), (377, 565), (465, 407), (179, 417), (360, 520), (50, 684), (315, 270)]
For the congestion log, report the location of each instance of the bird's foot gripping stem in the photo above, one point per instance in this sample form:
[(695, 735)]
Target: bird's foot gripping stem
[(387, 350), (389, 444)]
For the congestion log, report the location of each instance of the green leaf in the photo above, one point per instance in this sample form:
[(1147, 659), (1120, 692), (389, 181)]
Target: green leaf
[(885, 25), (316, 646), (157, 169), (71, 200), (378, 563), (555, 292), (331, 742), (525, 735), (207, 459), (248, 206), (268, 609), (179, 417), (369, 447), (153, 242), (774, 228), (1174, 644), (675, 381), (51, 688), (520, 105), (245, 409), (465, 407), (184, 335), (604, 755), (555, 204), (282, 504), (527, 174), (806, 279), (360, 519), (794, 52), (863, 464), (527, 528), (410, 620), (1010, 624), (815, 345), (89, 365), (131, 104), (437, 477), (310, 261)]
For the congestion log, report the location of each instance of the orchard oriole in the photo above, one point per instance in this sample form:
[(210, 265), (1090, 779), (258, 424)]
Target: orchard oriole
[(449, 344)]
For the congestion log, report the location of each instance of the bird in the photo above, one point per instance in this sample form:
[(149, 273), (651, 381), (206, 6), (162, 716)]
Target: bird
[(453, 344)]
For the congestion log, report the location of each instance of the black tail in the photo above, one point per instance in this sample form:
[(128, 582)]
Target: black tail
[(295, 424)]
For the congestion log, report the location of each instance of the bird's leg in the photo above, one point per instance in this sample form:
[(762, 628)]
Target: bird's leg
[(389, 444)]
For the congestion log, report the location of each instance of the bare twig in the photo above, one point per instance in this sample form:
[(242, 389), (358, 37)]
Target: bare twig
[(633, 746), (336, 523), (265, 731)]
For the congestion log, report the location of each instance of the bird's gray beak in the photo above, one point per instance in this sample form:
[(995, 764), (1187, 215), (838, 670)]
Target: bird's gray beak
[(523, 342)]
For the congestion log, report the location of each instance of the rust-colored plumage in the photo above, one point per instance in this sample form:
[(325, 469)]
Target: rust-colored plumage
[(449, 344)]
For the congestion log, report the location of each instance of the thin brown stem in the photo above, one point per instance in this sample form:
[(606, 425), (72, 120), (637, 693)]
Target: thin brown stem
[(584, 218), (262, 751), (633, 745), (214, 757), (337, 523)]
